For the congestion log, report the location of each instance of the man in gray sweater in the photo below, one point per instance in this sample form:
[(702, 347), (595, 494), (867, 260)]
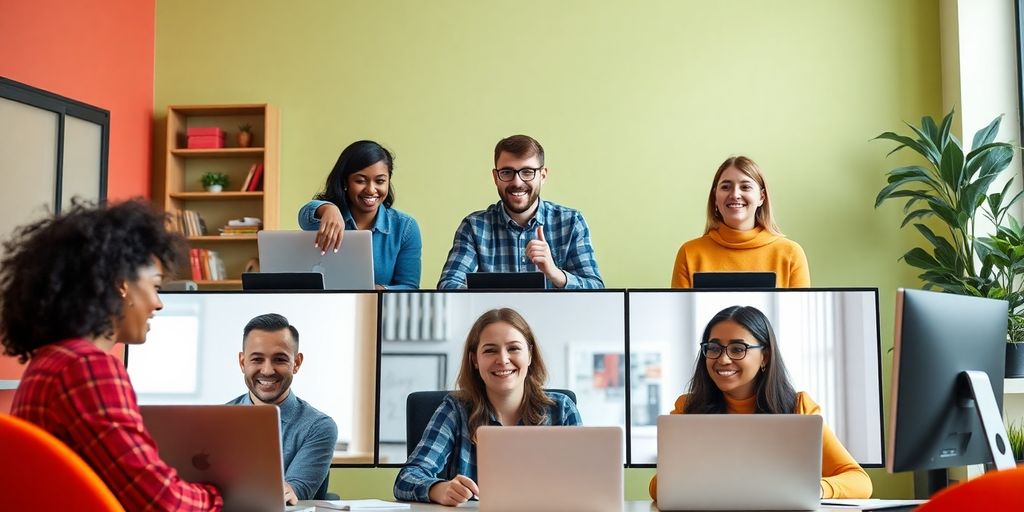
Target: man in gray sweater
[(269, 358)]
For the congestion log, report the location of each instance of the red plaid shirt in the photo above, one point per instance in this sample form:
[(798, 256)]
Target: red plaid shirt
[(82, 395)]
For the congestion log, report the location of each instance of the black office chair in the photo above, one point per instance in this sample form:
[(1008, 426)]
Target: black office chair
[(420, 406)]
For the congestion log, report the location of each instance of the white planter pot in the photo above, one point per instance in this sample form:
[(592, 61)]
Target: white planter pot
[(214, 188)]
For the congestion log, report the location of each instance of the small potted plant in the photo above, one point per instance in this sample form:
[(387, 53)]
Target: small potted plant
[(214, 181), (1015, 431), (245, 135)]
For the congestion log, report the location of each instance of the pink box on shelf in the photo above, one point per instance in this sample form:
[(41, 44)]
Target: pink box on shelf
[(205, 142), (205, 130)]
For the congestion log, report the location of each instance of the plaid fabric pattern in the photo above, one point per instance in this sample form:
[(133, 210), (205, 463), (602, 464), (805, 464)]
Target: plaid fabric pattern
[(447, 436), (490, 241), (82, 396)]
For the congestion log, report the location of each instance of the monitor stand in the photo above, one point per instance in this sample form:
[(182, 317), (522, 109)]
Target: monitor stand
[(978, 393)]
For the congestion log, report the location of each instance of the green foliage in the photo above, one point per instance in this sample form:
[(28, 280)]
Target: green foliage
[(214, 178), (245, 127), (954, 188), (1016, 434)]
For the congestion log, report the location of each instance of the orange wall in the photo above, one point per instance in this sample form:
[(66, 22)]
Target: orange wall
[(97, 52)]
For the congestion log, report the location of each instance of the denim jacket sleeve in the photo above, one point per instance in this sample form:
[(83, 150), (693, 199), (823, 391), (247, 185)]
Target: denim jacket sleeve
[(307, 215), (409, 262)]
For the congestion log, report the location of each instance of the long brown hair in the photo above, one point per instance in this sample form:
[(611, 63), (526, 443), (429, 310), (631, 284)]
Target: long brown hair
[(775, 394), (763, 216), (470, 386)]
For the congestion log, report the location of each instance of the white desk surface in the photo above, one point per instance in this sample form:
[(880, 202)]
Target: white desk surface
[(627, 506)]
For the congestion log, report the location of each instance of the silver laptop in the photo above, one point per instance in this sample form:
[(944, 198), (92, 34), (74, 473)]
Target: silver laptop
[(235, 448), (777, 457), (550, 468), (351, 268)]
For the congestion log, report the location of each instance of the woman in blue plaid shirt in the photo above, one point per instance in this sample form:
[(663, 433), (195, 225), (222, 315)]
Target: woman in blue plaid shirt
[(500, 382)]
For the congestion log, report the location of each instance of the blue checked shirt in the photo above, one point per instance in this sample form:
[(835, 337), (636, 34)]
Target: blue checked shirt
[(490, 241), (447, 436)]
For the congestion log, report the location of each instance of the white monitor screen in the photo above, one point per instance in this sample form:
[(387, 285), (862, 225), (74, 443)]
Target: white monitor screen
[(191, 355), (828, 340)]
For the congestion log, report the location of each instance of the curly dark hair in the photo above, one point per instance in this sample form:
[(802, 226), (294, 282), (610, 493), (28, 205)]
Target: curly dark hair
[(59, 276)]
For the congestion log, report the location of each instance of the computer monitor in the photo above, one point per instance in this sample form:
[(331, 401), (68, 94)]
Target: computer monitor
[(947, 384)]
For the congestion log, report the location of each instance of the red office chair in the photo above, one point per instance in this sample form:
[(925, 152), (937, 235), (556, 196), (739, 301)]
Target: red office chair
[(39, 472), (996, 490)]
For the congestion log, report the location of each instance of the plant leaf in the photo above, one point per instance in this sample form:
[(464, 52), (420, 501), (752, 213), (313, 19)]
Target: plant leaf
[(914, 215), (912, 144), (988, 133), (951, 167)]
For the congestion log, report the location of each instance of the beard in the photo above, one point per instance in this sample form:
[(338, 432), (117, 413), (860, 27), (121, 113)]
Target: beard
[(514, 205)]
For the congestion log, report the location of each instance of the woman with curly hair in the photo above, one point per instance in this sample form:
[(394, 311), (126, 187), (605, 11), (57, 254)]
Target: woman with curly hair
[(71, 287), (500, 382)]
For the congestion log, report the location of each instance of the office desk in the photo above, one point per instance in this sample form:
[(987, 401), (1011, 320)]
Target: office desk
[(627, 506)]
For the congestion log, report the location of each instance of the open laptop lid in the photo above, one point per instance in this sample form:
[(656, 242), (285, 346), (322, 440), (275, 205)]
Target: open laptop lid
[(734, 280), (236, 448), (505, 280), (550, 468), (698, 455), (351, 268)]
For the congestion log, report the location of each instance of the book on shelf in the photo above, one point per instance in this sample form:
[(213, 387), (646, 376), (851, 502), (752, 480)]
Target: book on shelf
[(243, 226), (205, 142), (256, 183), (248, 178), (188, 223), (206, 265)]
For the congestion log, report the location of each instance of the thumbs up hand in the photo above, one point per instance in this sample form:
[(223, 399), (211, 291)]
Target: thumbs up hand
[(539, 253)]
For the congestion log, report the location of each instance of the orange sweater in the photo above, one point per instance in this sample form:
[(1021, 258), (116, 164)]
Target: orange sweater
[(841, 476), (726, 250)]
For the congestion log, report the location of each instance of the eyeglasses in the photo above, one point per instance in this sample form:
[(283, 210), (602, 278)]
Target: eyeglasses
[(525, 174), (736, 350)]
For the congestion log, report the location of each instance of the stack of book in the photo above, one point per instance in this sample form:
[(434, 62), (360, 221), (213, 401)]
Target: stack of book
[(253, 180), (188, 223), (205, 137), (206, 265), (243, 226)]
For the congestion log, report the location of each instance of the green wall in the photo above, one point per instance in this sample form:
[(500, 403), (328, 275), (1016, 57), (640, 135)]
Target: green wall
[(636, 105)]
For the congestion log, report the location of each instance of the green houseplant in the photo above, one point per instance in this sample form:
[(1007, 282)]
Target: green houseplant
[(1015, 434), (953, 187), (214, 181)]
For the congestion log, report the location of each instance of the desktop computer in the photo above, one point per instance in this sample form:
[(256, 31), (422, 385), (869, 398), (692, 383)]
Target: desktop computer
[(947, 386)]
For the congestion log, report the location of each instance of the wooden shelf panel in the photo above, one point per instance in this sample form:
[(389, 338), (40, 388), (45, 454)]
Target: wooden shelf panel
[(220, 283), (215, 196), (218, 152), (253, 109), (218, 238)]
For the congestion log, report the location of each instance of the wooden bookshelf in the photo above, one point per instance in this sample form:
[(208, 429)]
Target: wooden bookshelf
[(178, 187)]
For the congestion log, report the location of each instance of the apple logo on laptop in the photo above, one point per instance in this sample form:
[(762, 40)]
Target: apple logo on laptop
[(201, 461)]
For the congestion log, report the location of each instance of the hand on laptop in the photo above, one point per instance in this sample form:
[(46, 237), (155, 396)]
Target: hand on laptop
[(540, 254), (454, 492), (289, 495), (332, 228)]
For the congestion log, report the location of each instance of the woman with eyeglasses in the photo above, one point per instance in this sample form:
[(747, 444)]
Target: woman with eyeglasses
[(740, 233), (739, 370), (500, 382), (359, 194)]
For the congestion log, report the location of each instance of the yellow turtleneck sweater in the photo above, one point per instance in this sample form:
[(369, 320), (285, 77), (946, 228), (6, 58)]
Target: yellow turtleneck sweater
[(725, 249), (841, 476)]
